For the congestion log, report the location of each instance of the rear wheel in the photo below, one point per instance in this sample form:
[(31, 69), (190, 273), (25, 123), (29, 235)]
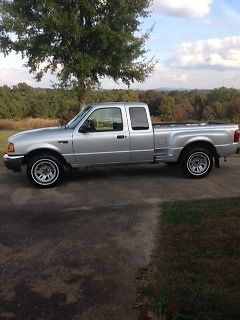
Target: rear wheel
[(197, 163), (44, 170)]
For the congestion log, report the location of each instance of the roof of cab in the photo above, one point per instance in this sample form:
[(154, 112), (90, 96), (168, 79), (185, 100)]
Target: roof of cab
[(109, 104)]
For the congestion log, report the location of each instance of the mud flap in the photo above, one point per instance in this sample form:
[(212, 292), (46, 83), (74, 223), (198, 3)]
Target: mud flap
[(217, 163)]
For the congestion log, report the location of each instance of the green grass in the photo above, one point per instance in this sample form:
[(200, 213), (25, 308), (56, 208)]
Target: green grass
[(195, 269), (4, 134)]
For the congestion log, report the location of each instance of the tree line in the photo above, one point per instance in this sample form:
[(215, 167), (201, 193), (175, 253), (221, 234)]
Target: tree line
[(22, 101)]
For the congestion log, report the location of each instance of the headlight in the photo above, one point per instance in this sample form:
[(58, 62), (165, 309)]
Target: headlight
[(10, 148)]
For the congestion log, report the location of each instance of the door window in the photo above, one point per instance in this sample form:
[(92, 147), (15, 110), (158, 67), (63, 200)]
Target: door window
[(139, 120), (109, 119)]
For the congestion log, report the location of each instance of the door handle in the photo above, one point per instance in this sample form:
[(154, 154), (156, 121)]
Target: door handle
[(121, 137)]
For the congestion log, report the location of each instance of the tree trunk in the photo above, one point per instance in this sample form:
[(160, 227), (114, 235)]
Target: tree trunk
[(81, 92)]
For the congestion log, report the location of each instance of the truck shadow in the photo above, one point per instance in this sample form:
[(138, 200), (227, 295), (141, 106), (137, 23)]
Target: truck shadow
[(138, 171), (135, 171)]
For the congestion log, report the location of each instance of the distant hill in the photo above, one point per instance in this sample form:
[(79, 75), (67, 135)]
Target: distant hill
[(166, 89), (204, 91)]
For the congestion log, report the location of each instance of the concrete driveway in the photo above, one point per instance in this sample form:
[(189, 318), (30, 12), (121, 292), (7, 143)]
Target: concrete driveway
[(73, 252)]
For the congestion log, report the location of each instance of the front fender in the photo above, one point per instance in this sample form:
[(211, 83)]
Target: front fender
[(64, 150), (41, 146)]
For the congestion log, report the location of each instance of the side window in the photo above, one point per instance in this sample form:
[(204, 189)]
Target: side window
[(109, 119), (139, 120)]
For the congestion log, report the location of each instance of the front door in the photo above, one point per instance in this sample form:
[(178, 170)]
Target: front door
[(106, 140)]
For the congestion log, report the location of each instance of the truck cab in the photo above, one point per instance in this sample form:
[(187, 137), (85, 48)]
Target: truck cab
[(114, 133)]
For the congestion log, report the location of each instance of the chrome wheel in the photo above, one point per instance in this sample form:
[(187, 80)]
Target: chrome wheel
[(198, 163), (45, 172)]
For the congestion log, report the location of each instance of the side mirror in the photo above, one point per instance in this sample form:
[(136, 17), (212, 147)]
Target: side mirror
[(87, 126), (84, 128)]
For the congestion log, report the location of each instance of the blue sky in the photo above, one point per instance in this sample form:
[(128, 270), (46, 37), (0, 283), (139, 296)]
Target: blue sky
[(195, 43)]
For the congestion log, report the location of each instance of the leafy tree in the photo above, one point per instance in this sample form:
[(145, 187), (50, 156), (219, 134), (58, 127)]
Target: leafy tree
[(79, 40), (209, 113), (167, 108), (199, 104), (184, 111), (233, 110), (222, 94), (219, 110), (23, 101), (153, 99)]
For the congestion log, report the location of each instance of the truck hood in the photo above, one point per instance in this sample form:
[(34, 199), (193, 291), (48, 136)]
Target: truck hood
[(40, 133)]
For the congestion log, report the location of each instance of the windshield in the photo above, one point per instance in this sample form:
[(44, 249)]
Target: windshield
[(75, 121)]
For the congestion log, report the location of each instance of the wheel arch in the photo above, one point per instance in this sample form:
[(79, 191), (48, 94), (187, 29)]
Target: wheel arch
[(200, 144), (45, 151)]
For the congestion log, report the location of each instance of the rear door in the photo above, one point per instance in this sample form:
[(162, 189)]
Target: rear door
[(141, 132), (108, 141)]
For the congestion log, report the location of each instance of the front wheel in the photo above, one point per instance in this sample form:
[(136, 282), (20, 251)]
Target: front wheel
[(197, 163), (44, 171)]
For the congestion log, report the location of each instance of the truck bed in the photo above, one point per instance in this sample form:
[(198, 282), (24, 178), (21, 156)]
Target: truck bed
[(171, 137), (189, 124)]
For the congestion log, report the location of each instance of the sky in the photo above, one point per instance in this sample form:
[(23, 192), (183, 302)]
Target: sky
[(195, 45)]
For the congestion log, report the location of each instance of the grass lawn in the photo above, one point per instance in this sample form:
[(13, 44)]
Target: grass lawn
[(195, 269), (4, 134)]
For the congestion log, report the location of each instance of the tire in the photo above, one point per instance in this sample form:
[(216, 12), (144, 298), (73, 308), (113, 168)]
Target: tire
[(197, 163), (44, 170)]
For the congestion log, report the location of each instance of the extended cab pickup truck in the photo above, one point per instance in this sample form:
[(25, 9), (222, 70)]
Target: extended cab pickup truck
[(119, 133)]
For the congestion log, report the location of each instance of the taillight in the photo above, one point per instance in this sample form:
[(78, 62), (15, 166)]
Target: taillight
[(237, 136), (10, 148)]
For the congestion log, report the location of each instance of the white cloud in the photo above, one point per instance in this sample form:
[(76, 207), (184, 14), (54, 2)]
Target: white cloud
[(189, 9), (212, 53), (14, 76), (162, 76), (12, 72), (164, 73)]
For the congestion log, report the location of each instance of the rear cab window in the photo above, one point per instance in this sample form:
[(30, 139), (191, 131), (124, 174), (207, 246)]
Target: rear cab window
[(139, 119)]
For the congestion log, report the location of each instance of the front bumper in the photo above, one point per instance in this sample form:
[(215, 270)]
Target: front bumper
[(13, 162)]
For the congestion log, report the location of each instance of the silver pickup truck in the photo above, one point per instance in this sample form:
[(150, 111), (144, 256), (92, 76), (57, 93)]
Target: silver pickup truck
[(119, 133)]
